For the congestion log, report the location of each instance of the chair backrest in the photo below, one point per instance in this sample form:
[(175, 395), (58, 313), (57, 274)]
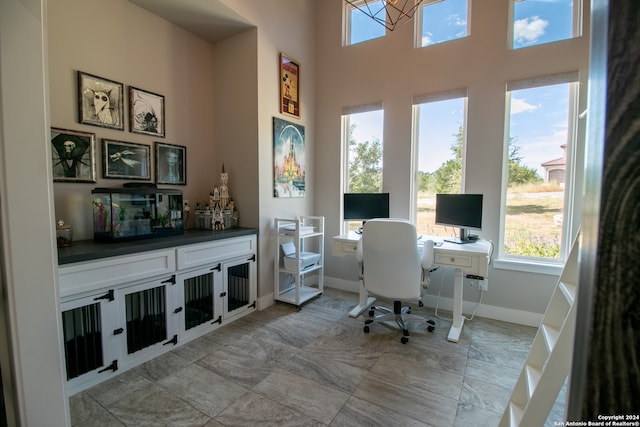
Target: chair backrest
[(391, 261)]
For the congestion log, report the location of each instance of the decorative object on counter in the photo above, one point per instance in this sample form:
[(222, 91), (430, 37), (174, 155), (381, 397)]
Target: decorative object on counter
[(73, 155), (187, 212), (126, 160), (219, 212), (136, 212), (288, 159), (64, 234), (100, 101), (289, 86), (171, 164), (146, 112)]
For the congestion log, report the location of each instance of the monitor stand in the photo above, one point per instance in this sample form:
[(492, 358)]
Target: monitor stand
[(464, 238)]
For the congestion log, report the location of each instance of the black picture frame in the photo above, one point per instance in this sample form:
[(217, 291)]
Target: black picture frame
[(171, 164), (126, 160), (73, 155), (100, 101), (146, 112)]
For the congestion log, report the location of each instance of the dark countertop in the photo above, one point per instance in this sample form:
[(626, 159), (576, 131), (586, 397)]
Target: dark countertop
[(87, 250)]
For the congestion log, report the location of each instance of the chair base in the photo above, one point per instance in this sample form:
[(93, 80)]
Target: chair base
[(401, 315)]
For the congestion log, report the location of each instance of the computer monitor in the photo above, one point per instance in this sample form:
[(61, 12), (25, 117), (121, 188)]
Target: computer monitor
[(365, 206), (459, 210)]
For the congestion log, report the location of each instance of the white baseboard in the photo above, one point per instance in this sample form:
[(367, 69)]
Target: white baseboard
[(502, 314)]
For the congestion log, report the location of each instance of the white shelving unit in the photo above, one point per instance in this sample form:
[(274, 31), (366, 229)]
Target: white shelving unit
[(303, 279)]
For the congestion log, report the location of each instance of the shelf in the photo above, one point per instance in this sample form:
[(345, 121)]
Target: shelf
[(305, 234), (306, 293)]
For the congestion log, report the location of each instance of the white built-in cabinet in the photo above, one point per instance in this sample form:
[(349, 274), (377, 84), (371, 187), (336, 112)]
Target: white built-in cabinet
[(299, 272), (121, 311)]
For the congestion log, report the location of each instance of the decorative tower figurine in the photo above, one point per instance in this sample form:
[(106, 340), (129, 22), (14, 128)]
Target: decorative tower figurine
[(224, 190)]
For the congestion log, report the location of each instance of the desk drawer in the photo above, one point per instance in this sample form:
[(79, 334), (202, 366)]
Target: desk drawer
[(453, 260), (349, 247)]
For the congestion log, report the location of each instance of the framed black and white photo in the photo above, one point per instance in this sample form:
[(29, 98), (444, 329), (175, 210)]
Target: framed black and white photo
[(100, 101), (73, 154), (171, 164), (146, 112), (126, 160)]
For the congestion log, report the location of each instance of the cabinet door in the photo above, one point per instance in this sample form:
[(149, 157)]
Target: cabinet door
[(240, 287), (88, 338), (146, 326), (199, 307)]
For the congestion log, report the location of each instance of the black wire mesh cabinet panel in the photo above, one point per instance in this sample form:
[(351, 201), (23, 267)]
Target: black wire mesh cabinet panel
[(198, 300), (238, 286), (146, 318), (83, 339)]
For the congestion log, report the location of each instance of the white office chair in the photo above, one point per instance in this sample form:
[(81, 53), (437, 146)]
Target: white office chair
[(392, 268)]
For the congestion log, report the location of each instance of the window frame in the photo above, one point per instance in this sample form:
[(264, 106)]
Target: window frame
[(347, 8), (345, 120), (577, 23), (418, 100), (418, 24), (570, 224)]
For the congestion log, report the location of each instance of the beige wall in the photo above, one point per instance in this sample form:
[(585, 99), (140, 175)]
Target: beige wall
[(119, 41), (391, 71), (282, 26)]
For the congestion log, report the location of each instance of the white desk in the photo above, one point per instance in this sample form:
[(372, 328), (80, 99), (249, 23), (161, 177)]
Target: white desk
[(466, 259)]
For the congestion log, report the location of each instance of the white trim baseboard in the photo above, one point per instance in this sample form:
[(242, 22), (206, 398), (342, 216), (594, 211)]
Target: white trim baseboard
[(502, 314)]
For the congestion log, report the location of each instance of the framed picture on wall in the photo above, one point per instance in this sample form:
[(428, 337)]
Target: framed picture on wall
[(288, 159), (146, 112), (289, 86), (100, 102), (171, 164), (125, 160), (73, 155)]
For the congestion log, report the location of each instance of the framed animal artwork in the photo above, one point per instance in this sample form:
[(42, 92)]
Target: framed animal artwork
[(73, 155), (146, 112), (100, 101), (289, 86), (126, 160)]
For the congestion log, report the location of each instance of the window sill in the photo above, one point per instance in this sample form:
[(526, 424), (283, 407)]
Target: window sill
[(537, 267)]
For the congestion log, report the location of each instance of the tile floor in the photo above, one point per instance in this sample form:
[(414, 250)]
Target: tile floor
[(316, 367)]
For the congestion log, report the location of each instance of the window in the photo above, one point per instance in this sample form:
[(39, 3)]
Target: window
[(542, 21), (360, 27), (443, 21), (538, 167), (439, 123), (362, 144)]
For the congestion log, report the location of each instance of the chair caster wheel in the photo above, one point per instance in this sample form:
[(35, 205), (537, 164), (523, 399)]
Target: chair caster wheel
[(430, 328), (371, 313), (404, 340), (420, 304), (366, 329), (431, 322), (368, 321)]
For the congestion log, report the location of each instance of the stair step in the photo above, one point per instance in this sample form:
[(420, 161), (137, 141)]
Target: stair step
[(551, 335), (515, 414), (533, 378), (569, 291)]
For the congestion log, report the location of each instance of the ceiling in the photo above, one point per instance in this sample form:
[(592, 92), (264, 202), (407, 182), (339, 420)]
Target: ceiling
[(208, 19)]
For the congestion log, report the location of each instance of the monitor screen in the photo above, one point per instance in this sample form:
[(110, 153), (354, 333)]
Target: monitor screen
[(459, 210), (365, 206)]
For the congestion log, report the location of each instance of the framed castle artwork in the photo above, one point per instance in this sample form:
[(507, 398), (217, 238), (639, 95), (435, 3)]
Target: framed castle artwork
[(288, 159)]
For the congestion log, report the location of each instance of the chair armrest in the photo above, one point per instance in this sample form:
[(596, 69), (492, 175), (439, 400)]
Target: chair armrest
[(427, 255)]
